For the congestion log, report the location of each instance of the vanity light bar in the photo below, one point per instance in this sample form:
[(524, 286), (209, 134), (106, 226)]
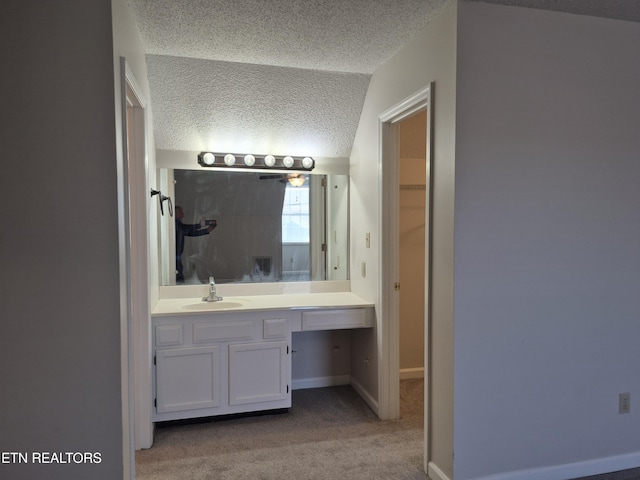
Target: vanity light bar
[(234, 160)]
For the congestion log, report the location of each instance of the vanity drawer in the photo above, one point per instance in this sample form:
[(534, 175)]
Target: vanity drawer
[(334, 319), (275, 328), (210, 332), (169, 335)]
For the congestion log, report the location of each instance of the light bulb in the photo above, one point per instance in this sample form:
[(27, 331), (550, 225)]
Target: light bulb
[(249, 160), (269, 160), (307, 162), (287, 162), (209, 158), (229, 159)]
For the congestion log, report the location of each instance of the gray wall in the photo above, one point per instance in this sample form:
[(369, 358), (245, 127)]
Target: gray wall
[(60, 330), (547, 243)]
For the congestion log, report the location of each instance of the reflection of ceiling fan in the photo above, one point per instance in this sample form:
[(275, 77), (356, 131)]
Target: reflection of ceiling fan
[(295, 179)]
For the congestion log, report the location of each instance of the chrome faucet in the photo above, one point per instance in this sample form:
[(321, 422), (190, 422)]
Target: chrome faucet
[(213, 297)]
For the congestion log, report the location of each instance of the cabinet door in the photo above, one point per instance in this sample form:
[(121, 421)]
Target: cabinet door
[(258, 372), (187, 378)]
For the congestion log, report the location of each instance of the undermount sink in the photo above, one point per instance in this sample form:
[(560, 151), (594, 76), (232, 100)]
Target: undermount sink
[(210, 306)]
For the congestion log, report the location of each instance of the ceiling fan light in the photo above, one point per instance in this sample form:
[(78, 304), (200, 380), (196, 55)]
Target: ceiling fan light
[(296, 180)]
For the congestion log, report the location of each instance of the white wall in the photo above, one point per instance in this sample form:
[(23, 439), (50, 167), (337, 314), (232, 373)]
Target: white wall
[(428, 57), (59, 289), (547, 230), (320, 358)]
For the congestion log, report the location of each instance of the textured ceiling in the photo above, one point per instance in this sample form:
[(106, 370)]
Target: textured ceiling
[(240, 107), (283, 76), (336, 35), (276, 76)]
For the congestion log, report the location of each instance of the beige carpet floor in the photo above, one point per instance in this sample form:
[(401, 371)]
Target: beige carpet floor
[(329, 433)]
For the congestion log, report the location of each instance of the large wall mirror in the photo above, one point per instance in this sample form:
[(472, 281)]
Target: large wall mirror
[(253, 226)]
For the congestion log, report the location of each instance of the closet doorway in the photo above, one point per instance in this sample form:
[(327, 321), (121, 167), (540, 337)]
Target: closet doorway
[(411, 242), (415, 184)]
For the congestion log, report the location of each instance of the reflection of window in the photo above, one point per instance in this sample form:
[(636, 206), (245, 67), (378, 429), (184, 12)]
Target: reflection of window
[(295, 215)]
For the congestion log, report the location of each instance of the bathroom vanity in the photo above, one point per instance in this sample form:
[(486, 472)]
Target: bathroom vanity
[(235, 356)]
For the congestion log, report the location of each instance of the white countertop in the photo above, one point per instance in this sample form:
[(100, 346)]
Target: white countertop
[(298, 301)]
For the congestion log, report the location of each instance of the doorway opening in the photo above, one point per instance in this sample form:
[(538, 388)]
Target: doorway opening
[(411, 252), (414, 112), (411, 265)]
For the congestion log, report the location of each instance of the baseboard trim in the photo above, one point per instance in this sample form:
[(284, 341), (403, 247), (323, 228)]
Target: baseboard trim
[(572, 470), (319, 382), (407, 373), (366, 396), (434, 473)]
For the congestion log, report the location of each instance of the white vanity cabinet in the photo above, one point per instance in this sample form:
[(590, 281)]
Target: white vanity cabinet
[(258, 373), (221, 363), (209, 362), (187, 378)]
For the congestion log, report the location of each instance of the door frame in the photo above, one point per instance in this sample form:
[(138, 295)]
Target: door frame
[(136, 211), (389, 152)]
